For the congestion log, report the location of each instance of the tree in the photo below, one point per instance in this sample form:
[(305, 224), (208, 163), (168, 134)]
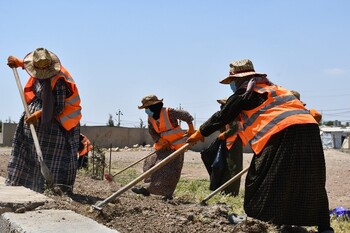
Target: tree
[(329, 123), (142, 125), (110, 121)]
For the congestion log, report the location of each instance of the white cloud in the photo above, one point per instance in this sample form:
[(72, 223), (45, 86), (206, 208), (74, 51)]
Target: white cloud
[(335, 71)]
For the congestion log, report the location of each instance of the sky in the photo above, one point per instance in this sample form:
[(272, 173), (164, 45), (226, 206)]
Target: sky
[(120, 51)]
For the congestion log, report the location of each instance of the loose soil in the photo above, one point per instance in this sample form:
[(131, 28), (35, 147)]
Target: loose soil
[(135, 213)]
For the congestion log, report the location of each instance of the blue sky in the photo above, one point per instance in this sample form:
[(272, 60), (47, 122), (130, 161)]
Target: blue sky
[(120, 51)]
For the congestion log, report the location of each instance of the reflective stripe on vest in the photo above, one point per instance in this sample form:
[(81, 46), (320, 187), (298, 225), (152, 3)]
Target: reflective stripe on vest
[(231, 139), (280, 110), (71, 114), (165, 129), (87, 146)]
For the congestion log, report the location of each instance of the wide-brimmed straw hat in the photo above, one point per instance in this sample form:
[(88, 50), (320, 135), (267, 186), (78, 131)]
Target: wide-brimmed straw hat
[(222, 101), (297, 95), (42, 64), (149, 100), (240, 69)]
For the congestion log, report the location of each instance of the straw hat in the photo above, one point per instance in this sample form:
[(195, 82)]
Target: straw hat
[(42, 64), (240, 69), (297, 95), (149, 100), (222, 101)]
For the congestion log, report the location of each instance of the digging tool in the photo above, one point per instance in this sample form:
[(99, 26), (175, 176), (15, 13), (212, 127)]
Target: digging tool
[(110, 177), (43, 168), (227, 183), (144, 175)]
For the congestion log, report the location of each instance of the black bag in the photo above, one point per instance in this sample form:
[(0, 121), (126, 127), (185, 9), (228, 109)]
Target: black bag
[(214, 159)]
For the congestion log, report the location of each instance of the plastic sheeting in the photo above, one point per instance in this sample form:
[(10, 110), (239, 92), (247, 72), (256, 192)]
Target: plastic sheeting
[(327, 140)]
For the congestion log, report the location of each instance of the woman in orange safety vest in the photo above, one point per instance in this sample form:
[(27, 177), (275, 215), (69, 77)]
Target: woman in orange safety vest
[(285, 184), (235, 141), (54, 105), (84, 147), (168, 136)]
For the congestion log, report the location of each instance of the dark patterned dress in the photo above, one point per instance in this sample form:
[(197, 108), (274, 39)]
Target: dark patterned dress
[(285, 183), (234, 160), (163, 182), (59, 147)]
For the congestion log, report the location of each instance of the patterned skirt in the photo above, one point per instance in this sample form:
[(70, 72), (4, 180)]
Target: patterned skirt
[(163, 181), (285, 183), (59, 148)]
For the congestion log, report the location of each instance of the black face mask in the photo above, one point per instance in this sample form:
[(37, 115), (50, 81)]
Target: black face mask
[(155, 108)]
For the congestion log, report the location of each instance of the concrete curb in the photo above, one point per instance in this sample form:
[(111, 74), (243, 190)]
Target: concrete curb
[(18, 214), (48, 221)]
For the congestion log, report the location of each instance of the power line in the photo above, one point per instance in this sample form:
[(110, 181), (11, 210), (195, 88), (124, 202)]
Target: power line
[(339, 109), (119, 113)]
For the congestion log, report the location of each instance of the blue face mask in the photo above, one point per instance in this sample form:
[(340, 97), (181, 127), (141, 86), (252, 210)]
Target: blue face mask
[(233, 86), (149, 112)]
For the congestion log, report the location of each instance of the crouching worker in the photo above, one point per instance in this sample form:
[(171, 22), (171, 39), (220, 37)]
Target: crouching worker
[(316, 114), (83, 152), (234, 144), (168, 136)]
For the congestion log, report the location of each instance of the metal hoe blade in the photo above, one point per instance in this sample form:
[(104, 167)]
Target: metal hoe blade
[(144, 175)]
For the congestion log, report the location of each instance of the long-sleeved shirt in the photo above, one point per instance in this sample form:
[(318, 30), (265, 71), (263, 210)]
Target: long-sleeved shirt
[(174, 116), (234, 105)]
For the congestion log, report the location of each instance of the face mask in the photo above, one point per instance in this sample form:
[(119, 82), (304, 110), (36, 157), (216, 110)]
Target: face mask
[(149, 112), (233, 86)]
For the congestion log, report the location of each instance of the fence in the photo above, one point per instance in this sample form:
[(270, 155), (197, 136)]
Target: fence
[(104, 136)]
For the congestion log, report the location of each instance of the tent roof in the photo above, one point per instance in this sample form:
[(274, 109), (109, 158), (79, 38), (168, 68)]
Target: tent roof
[(335, 129)]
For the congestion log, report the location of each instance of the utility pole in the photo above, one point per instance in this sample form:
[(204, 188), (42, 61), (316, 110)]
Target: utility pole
[(180, 120), (119, 113), (194, 121)]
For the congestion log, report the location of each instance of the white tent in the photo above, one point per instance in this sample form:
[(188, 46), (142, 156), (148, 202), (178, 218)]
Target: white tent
[(333, 137), (346, 143)]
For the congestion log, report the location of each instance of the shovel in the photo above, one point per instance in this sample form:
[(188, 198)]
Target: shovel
[(227, 183), (110, 177), (144, 175), (43, 168)]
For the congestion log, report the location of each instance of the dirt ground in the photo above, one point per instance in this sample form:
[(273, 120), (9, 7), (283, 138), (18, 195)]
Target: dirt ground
[(134, 213)]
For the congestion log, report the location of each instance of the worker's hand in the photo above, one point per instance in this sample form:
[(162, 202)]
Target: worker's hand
[(14, 62), (190, 130), (33, 118), (164, 143), (195, 137), (222, 136)]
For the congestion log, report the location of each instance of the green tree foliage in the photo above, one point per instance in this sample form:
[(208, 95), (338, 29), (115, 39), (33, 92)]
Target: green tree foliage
[(329, 123), (142, 124), (110, 121)]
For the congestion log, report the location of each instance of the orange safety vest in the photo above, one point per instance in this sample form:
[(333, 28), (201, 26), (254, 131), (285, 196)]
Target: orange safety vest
[(316, 114), (71, 114), (167, 131), (231, 139), (280, 110), (87, 145)]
